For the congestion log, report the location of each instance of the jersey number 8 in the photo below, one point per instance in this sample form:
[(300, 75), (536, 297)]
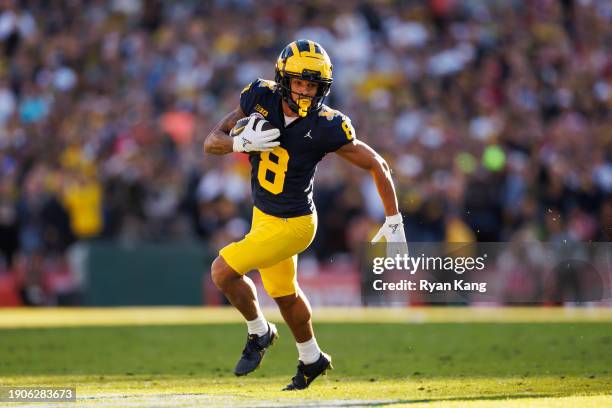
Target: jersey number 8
[(278, 168)]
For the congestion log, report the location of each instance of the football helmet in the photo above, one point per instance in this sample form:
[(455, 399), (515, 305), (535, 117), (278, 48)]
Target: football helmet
[(307, 60)]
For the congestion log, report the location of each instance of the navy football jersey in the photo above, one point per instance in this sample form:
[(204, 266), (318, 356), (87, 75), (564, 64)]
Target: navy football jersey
[(281, 180)]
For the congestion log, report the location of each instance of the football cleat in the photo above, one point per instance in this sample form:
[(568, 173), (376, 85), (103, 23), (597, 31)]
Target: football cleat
[(254, 351), (306, 373)]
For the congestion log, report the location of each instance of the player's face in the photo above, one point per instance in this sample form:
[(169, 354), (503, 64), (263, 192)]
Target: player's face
[(303, 88)]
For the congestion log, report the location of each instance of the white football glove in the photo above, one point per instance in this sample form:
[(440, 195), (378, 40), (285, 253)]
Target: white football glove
[(393, 232), (253, 139)]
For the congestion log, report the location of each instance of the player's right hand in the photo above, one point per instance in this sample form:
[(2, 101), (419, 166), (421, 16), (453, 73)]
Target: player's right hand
[(253, 139)]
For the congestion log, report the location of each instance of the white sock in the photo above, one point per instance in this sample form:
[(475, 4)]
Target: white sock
[(258, 326), (309, 351)]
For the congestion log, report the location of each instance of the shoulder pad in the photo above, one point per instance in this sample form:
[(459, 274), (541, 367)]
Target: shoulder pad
[(264, 83), (246, 88), (329, 113)]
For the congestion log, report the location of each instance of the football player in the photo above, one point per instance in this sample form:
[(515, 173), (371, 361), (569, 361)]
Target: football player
[(284, 223)]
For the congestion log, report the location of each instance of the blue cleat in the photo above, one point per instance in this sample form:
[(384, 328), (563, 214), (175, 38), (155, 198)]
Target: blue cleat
[(254, 351), (306, 373)]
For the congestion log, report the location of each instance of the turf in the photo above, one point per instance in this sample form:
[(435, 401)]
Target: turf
[(376, 364)]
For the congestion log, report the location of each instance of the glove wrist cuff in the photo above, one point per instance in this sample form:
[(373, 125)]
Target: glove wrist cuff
[(395, 219), (236, 145)]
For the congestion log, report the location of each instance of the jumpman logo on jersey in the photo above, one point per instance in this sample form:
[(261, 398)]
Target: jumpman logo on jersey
[(308, 135)]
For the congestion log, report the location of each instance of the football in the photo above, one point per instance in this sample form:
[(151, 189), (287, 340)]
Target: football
[(242, 123)]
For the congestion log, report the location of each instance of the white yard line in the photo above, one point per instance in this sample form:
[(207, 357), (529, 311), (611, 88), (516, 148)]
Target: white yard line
[(196, 401)]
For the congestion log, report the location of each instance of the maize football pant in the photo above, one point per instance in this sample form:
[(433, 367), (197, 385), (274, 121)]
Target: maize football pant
[(272, 246)]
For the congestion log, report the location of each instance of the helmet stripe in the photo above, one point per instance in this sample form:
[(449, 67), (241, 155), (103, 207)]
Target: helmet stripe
[(303, 45), (294, 48), (287, 52)]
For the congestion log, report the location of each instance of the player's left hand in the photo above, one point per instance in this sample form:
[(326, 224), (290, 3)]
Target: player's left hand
[(393, 232)]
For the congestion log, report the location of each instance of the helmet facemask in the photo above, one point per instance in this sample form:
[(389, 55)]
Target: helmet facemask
[(304, 104)]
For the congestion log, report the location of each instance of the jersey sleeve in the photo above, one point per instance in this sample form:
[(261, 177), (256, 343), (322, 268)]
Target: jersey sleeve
[(340, 132), (247, 97), (252, 94)]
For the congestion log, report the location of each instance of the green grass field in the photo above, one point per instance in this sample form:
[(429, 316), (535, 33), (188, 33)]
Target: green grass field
[(412, 357)]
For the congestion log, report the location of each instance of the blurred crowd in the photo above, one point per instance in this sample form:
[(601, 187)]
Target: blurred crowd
[(494, 115)]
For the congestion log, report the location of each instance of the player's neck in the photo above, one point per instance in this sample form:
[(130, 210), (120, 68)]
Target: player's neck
[(287, 110)]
